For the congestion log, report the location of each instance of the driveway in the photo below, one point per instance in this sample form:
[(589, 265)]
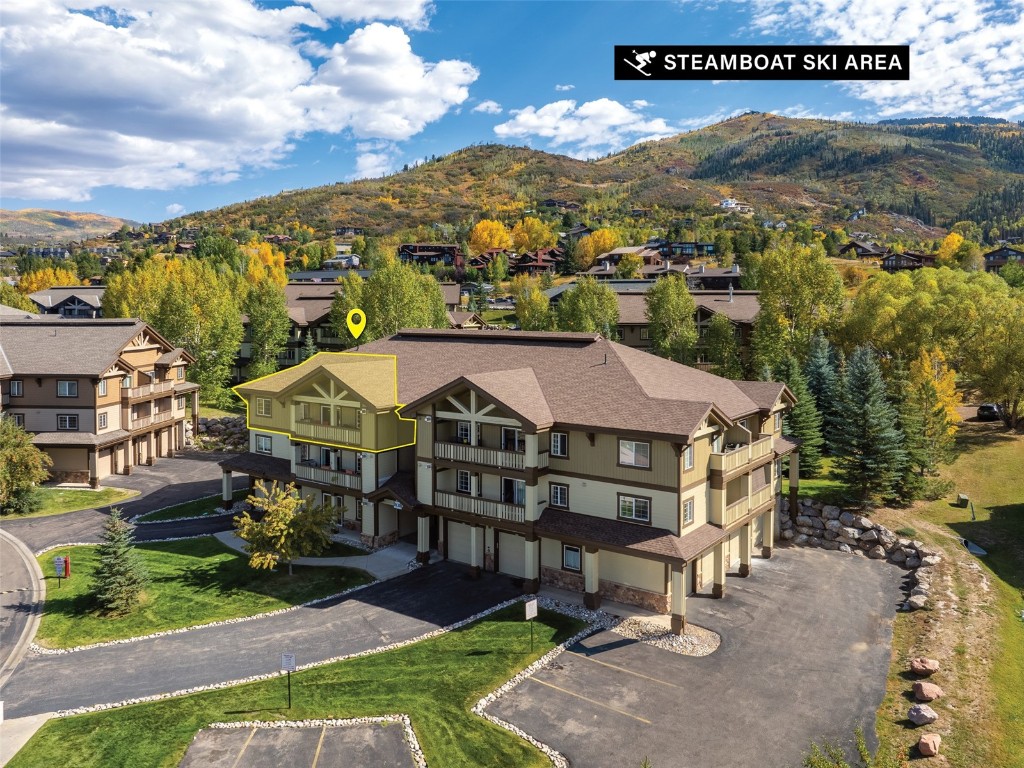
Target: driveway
[(804, 656), (387, 612)]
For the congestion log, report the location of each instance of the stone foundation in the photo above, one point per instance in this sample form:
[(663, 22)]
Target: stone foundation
[(70, 476), (556, 577), (609, 590), (378, 542)]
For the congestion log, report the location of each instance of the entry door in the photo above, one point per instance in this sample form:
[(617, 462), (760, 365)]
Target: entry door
[(325, 458)]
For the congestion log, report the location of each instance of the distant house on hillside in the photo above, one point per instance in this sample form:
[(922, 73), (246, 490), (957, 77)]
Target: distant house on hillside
[(431, 254), (70, 301), (864, 250), (58, 253), (1000, 257), (898, 262), (562, 205), (348, 231)]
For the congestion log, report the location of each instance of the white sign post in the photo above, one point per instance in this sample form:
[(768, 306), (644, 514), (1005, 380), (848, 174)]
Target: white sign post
[(531, 614), (288, 665)]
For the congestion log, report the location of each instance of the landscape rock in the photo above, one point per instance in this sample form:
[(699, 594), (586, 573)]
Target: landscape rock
[(831, 512), (877, 552), (930, 560), (869, 536), (917, 602), (845, 548), (830, 545), (897, 556), (788, 534), (804, 520), (920, 589), (922, 714), (887, 539), (905, 543), (833, 525), (928, 745), (806, 530), (802, 539), (913, 562), (850, 533), (863, 522), (924, 666), (831, 535), (847, 518), (927, 691)]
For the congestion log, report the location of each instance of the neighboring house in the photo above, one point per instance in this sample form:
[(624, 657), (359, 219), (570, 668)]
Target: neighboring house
[(898, 262), (555, 458), (99, 396), (71, 300), (50, 252), (452, 293), (562, 205), (538, 262), (684, 252), (347, 231), (714, 278), (325, 275), (432, 254), (1000, 257), (465, 320), (863, 249)]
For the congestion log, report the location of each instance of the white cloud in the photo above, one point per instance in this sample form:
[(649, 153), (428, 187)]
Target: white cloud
[(412, 13), (488, 107), (639, 103), (94, 98), (588, 130), (965, 54), (174, 209), (564, 87), (372, 165), (799, 110)]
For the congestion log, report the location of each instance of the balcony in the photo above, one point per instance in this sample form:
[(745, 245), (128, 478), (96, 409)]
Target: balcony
[(150, 389), (736, 510), (316, 430), (148, 421), (741, 455), (761, 496), (474, 454), (513, 513), (326, 476)]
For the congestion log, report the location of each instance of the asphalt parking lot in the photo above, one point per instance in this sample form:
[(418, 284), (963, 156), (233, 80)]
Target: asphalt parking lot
[(354, 746), (804, 656)]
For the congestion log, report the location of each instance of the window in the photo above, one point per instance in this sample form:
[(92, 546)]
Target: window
[(180, 372), (181, 402), (19, 419), (571, 558), (126, 382), (560, 444), (559, 495), (67, 422), (359, 462), (17, 388), (687, 511), (103, 388), (645, 333), (512, 439), (778, 467), (513, 491), (325, 414), (463, 431), (262, 406), (635, 508), (618, 333), (634, 454), (462, 482), (67, 388), (688, 457), (102, 421), (263, 444), (778, 422)]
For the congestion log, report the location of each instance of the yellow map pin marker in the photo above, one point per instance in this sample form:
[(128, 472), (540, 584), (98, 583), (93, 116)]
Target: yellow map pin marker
[(356, 321)]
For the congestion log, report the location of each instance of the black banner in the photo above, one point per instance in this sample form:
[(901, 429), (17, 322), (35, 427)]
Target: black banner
[(762, 62)]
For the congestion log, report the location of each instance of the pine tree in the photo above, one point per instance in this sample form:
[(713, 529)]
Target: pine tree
[(804, 421), (822, 383), (309, 348), (910, 421), (120, 575), (868, 447)]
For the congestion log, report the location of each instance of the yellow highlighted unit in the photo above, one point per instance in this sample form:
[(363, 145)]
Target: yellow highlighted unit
[(346, 400)]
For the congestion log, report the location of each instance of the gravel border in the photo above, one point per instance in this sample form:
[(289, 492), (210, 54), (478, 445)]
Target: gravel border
[(403, 720), (696, 640)]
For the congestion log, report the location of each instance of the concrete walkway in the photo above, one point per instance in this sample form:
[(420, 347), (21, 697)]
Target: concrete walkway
[(383, 564)]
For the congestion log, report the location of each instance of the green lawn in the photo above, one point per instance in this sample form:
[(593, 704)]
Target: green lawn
[(56, 501), (341, 549), (196, 508), (822, 488), (499, 316), (212, 412), (193, 581), (435, 682)]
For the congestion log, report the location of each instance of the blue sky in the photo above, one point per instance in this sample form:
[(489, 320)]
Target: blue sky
[(150, 108)]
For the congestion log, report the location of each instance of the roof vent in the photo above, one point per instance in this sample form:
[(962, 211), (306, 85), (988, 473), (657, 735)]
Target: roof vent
[(736, 269), (701, 269), (730, 293)]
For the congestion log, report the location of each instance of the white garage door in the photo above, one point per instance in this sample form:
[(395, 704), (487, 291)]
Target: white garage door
[(458, 541), (511, 554)]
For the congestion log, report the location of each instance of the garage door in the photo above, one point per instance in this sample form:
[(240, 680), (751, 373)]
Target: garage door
[(511, 554), (103, 463), (458, 541)]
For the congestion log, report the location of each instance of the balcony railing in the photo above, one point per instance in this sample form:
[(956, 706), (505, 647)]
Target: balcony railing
[(761, 496), (328, 477), (148, 421), (319, 431), (151, 389), (499, 510), (474, 454), (737, 457), (736, 510)]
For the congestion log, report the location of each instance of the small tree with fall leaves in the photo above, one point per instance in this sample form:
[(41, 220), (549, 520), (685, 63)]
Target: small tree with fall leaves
[(289, 526)]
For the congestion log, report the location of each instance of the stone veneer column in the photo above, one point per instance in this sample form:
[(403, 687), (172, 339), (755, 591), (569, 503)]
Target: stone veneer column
[(225, 489), (745, 547), (591, 579), (94, 480), (532, 566), (423, 539), (718, 588), (678, 589)]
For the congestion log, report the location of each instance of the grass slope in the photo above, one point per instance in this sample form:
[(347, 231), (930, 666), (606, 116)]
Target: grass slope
[(195, 508), (57, 501), (193, 581), (435, 682)]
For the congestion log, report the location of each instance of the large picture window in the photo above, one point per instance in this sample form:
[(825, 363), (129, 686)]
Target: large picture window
[(633, 453), (263, 444), (635, 508)]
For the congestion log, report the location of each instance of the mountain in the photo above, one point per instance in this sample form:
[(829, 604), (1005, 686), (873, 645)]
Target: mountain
[(29, 225), (909, 176)]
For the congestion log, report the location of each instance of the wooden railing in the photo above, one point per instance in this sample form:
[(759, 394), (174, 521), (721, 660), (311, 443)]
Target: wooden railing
[(151, 389), (514, 513), (761, 496), (328, 477), (473, 454), (318, 431), (742, 454), (736, 510), (148, 421)]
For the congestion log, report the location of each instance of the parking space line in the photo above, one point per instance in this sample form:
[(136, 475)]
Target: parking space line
[(244, 747), (591, 701), (319, 744), (623, 669)]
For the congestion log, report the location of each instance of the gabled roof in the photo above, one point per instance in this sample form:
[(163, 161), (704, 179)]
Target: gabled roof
[(309, 303), (766, 393), (51, 297), (370, 377)]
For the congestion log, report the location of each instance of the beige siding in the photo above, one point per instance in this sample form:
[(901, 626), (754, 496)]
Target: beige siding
[(600, 499), (706, 569), (602, 460), (551, 553), (424, 435), (632, 571), (701, 460), (280, 445), (103, 462), (511, 554), (424, 481), (68, 459), (387, 519)]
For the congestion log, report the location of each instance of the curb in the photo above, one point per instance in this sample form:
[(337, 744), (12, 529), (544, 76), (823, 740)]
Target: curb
[(21, 647)]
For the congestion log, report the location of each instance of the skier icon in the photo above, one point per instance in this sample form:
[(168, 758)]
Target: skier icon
[(642, 60)]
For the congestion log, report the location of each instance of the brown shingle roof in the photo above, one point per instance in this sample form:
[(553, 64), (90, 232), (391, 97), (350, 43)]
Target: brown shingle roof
[(784, 445), (260, 466), (309, 303), (660, 542), (452, 294), (401, 487), (55, 346), (50, 297), (58, 439), (764, 393)]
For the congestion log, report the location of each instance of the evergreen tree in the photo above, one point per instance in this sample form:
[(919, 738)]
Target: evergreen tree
[(804, 421), (868, 449), (309, 348), (910, 421), (822, 383), (120, 574)]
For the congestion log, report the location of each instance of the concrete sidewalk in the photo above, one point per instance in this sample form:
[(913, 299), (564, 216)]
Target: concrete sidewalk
[(383, 564), (14, 734)]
